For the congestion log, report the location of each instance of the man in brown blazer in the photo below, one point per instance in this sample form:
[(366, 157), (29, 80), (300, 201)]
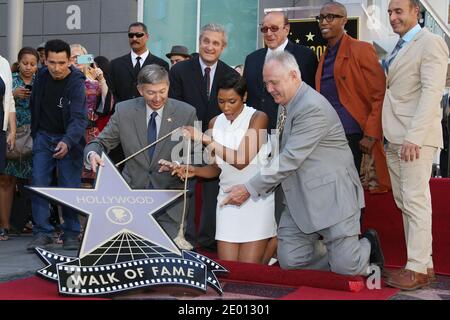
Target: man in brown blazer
[(353, 81), (416, 74)]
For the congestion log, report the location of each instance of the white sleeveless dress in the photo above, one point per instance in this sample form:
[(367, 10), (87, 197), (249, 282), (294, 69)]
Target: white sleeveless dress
[(255, 219)]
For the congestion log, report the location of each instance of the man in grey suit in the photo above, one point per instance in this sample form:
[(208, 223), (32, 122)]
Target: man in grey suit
[(135, 124), (318, 191)]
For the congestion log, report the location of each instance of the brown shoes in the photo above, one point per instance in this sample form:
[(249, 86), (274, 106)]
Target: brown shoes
[(408, 280), (386, 274), (431, 275)]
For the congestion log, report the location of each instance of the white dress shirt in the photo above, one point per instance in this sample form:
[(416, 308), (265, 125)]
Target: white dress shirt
[(211, 73), (143, 57)]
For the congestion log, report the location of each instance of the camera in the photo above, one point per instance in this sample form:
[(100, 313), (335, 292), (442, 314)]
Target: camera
[(85, 59), (29, 87)]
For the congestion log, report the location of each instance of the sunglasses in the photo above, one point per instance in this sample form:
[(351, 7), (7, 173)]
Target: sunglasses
[(131, 35), (329, 17), (266, 29)]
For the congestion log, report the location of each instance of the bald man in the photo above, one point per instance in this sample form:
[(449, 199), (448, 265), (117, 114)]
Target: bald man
[(275, 29)]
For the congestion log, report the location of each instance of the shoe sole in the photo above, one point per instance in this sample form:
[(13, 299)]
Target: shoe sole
[(417, 287)]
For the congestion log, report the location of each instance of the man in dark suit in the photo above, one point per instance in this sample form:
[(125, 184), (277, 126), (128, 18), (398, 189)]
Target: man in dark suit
[(275, 28), (195, 81), (132, 125), (124, 70)]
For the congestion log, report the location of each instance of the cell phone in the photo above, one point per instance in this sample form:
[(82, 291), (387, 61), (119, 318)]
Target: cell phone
[(85, 59), (29, 87)]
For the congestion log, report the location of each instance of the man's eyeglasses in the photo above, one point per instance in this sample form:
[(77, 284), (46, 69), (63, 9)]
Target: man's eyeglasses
[(329, 17), (266, 29), (131, 35)]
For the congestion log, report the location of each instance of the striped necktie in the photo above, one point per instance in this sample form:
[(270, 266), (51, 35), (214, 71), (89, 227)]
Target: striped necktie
[(393, 54)]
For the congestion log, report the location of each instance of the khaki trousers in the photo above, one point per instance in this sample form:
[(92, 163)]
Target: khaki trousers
[(411, 189)]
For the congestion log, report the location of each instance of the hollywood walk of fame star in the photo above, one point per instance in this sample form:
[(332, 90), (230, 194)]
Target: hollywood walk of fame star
[(114, 208)]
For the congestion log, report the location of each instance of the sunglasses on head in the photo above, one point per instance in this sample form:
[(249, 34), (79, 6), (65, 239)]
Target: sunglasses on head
[(266, 29), (131, 35)]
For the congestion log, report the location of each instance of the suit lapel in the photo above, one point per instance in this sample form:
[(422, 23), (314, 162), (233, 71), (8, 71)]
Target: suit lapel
[(217, 75), (260, 66), (149, 59), (403, 52), (167, 125), (198, 78), (290, 111), (129, 64), (140, 123)]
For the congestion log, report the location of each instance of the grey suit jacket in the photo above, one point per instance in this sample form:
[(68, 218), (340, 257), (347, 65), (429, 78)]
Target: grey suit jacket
[(128, 126), (315, 170)]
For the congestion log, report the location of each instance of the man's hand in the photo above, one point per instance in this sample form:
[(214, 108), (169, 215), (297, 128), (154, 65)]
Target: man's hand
[(95, 161), (409, 151), (366, 144), (61, 150), (237, 195)]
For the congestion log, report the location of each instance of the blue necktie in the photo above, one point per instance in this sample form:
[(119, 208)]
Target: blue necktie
[(388, 61), (151, 133)]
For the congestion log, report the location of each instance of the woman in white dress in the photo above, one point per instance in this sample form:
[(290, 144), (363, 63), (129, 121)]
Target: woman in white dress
[(237, 139)]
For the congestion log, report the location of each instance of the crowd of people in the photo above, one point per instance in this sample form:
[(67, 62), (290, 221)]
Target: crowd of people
[(288, 143)]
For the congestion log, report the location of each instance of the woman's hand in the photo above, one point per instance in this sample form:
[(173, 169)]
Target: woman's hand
[(97, 74), (11, 140), (21, 93), (176, 169)]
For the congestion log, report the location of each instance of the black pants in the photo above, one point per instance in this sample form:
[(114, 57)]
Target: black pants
[(2, 150), (353, 142), (207, 230)]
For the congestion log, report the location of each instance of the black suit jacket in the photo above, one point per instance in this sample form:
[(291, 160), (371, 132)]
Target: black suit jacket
[(123, 79), (187, 84), (258, 97)]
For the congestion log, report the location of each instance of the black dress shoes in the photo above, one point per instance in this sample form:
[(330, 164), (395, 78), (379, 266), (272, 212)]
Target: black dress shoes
[(376, 254)]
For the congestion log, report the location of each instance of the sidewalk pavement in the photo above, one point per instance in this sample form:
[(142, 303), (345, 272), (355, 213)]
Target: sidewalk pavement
[(16, 262)]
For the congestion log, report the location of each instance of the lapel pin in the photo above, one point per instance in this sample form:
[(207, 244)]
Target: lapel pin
[(169, 119)]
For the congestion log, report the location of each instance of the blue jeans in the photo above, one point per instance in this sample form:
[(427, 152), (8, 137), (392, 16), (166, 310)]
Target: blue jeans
[(69, 176)]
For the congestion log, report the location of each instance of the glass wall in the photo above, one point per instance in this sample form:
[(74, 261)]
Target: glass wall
[(240, 19), (173, 22), (170, 22)]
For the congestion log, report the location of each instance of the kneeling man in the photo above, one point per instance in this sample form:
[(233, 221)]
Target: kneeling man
[(317, 188)]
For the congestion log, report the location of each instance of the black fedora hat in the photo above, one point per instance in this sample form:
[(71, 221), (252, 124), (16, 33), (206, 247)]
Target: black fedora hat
[(179, 51)]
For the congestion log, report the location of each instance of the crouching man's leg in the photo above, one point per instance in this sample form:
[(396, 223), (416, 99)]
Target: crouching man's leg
[(297, 250), (347, 254)]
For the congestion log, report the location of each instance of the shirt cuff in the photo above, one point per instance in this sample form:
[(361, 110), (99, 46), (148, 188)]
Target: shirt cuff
[(251, 190)]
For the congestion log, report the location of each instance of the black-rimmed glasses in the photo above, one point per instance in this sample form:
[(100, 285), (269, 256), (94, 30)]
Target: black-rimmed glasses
[(329, 17)]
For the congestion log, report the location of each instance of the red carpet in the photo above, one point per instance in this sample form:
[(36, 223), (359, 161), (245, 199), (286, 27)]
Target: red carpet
[(382, 214), (33, 288), (308, 293), (257, 273)]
